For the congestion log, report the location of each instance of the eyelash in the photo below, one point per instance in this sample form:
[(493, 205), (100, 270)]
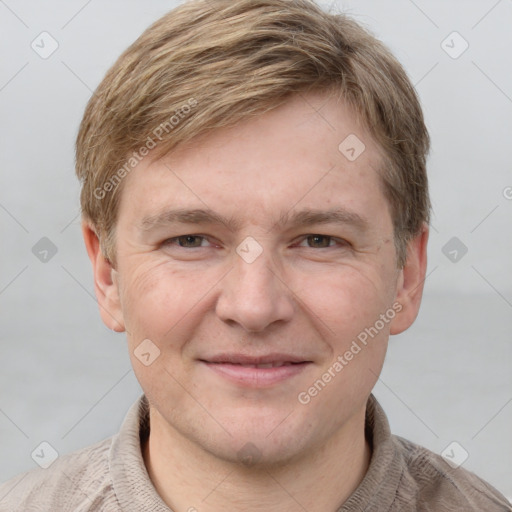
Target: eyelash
[(171, 241), (340, 241), (344, 243)]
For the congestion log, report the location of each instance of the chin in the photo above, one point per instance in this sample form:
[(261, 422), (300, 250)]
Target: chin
[(261, 442), (257, 453)]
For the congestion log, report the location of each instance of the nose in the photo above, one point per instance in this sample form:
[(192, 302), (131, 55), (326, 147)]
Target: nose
[(254, 295)]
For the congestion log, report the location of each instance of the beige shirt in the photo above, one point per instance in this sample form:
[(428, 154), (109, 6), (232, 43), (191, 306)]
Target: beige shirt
[(110, 476)]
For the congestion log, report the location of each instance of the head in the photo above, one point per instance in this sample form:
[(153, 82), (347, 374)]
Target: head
[(289, 144)]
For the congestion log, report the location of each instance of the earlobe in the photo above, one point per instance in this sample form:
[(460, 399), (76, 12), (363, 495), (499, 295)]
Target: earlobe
[(409, 286), (105, 283)]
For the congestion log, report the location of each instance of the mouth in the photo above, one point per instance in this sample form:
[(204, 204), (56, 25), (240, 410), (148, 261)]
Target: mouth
[(260, 371), (274, 364)]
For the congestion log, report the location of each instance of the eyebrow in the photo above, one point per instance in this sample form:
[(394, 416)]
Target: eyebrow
[(305, 217), (187, 216)]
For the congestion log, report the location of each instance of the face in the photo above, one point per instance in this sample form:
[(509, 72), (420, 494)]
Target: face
[(253, 260)]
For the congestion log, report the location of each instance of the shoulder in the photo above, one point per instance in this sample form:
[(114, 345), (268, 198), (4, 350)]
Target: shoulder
[(434, 484), (79, 481)]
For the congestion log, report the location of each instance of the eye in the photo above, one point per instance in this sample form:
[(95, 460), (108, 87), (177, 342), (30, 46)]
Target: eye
[(187, 241), (321, 241)]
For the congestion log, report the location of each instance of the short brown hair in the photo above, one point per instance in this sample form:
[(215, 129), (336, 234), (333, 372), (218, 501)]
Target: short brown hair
[(211, 63)]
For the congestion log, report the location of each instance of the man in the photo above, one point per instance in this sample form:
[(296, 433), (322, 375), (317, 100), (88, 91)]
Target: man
[(255, 208)]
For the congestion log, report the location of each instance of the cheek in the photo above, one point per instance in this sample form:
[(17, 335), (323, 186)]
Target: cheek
[(163, 303), (346, 307), (345, 300), (153, 299), (159, 304)]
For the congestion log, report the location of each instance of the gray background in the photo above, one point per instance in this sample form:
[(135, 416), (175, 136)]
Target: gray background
[(67, 380)]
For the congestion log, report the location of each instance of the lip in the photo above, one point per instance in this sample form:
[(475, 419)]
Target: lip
[(243, 369)]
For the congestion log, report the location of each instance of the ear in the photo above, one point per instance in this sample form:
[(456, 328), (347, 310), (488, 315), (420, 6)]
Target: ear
[(105, 282), (409, 286)]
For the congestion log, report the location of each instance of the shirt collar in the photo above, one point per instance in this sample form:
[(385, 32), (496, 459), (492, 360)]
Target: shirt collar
[(379, 486), (132, 485), (135, 491)]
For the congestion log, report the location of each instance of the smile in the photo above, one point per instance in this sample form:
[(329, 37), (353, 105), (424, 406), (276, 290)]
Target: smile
[(262, 371)]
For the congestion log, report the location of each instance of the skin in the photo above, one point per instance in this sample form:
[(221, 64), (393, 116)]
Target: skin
[(302, 295)]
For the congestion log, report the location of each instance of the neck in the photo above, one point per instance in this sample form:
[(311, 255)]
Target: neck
[(190, 479)]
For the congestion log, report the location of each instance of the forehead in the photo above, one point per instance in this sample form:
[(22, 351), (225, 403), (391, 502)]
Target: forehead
[(311, 152)]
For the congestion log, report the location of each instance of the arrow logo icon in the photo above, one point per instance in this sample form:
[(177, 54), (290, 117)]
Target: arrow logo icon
[(44, 455), (249, 454), (454, 249), (147, 352), (454, 45), (44, 250), (44, 45), (249, 249), (454, 454), (352, 147)]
